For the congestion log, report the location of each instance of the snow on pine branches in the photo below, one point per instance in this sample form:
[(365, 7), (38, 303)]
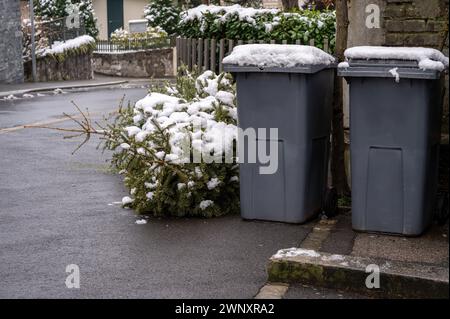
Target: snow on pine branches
[(171, 147)]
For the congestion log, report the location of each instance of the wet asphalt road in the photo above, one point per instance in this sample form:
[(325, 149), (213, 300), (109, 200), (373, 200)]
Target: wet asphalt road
[(58, 209)]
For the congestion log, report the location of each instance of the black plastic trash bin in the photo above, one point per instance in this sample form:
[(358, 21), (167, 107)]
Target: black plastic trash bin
[(395, 120), (298, 101)]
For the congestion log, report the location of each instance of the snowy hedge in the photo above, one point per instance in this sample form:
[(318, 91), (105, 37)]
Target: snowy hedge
[(61, 49), (236, 22), (163, 14), (152, 37), (149, 140)]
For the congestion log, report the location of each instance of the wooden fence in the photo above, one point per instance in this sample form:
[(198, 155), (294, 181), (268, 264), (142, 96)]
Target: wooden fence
[(207, 54)]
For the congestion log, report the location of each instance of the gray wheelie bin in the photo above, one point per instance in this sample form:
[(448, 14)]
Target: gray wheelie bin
[(394, 144), (298, 102)]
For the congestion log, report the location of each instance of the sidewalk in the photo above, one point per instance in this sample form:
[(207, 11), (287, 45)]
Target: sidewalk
[(98, 81), (335, 256)]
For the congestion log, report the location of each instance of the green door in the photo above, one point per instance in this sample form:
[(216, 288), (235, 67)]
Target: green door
[(115, 15)]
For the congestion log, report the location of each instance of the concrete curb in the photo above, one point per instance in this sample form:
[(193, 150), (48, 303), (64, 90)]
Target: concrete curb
[(397, 279), (62, 87), (272, 291)]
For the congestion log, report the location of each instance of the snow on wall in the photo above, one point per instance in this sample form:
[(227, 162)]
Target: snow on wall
[(60, 47)]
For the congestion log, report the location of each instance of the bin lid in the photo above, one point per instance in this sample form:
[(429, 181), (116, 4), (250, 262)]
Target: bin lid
[(400, 62), (284, 58)]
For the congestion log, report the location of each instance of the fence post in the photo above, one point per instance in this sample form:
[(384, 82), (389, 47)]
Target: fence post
[(326, 46), (297, 42), (189, 51), (213, 55), (206, 54), (272, 42), (199, 54), (177, 50), (230, 46), (221, 54), (194, 53), (311, 42), (284, 42), (184, 49)]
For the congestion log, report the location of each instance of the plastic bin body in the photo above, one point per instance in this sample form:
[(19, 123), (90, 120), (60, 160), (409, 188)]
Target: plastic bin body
[(300, 106), (394, 143)]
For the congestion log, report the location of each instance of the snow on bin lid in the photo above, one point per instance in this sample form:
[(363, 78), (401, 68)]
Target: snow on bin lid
[(427, 58), (277, 55)]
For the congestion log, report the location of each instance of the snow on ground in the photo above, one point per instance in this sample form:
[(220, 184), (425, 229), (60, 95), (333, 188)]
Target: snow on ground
[(58, 91), (277, 55), (334, 257), (11, 97), (427, 58), (127, 200), (293, 252), (141, 222)]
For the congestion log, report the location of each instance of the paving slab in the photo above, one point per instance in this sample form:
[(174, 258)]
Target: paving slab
[(430, 248)]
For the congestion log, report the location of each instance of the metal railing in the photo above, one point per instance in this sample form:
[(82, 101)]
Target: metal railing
[(58, 29), (133, 44)]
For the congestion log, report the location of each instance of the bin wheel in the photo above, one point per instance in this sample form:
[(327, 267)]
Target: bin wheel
[(330, 208), (441, 214)]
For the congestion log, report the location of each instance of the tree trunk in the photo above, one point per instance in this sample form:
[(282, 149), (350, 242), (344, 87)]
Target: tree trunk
[(338, 173), (289, 4)]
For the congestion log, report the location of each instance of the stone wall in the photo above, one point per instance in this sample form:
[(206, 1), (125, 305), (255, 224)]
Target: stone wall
[(11, 67), (402, 23), (419, 23), (73, 67), (149, 63)]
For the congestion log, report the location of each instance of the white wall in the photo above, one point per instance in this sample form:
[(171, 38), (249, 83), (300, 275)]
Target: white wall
[(102, 18), (132, 10)]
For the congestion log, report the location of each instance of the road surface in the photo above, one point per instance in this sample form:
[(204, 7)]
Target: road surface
[(58, 209)]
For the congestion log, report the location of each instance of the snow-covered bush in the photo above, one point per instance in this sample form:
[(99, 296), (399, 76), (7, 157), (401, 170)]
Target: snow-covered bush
[(53, 9), (157, 139), (163, 14), (153, 37), (61, 49), (236, 22)]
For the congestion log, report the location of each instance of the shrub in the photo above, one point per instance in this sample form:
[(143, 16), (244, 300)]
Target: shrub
[(152, 38), (41, 39), (236, 22), (60, 50), (149, 140), (163, 14), (53, 9)]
